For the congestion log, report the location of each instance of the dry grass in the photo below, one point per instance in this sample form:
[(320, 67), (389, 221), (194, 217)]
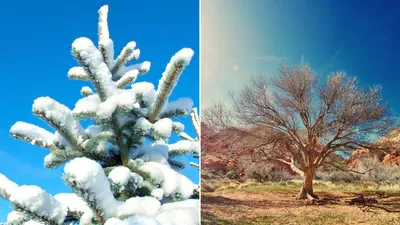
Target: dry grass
[(274, 203)]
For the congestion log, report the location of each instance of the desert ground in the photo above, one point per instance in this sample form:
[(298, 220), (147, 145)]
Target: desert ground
[(274, 203)]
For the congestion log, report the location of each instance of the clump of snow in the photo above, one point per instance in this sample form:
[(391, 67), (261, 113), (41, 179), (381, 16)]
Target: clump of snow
[(78, 73), (87, 104), (134, 55), (155, 153), (143, 68), (86, 91), (103, 25), (32, 222), (146, 89), (76, 204), (33, 132), (146, 206), (135, 220), (157, 193), (180, 213), (39, 202), (92, 58), (14, 216), (123, 98), (88, 175), (59, 114), (143, 124), (120, 175), (171, 181), (163, 127), (178, 127), (7, 187), (128, 77), (186, 146), (93, 130), (183, 104)]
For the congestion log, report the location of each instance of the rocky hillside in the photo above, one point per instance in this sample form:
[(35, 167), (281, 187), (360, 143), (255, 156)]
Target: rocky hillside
[(386, 159), (225, 149)]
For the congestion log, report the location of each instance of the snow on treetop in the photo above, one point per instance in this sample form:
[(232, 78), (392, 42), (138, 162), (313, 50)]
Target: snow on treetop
[(84, 49), (103, 13), (41, 203)]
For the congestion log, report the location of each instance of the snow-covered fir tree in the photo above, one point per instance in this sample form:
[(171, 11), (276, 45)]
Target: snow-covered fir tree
[(121, 168)]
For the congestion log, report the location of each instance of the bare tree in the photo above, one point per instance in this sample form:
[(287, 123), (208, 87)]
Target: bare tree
[(309, 122)]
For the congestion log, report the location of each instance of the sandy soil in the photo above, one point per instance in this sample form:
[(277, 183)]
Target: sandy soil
[(246, 207)]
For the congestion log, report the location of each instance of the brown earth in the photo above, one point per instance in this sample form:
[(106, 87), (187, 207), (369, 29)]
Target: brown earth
[(279, 207)]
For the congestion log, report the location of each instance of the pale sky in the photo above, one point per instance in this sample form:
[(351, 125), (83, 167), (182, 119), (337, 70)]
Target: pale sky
[(229, 42)]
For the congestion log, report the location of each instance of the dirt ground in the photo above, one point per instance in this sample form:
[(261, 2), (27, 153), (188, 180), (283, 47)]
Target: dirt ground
[(280, 207)]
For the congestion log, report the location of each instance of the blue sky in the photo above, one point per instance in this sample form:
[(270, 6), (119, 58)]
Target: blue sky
[(35, 58), (240, 39)]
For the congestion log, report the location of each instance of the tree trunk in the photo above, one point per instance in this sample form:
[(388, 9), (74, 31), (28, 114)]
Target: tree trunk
[(306, 190)]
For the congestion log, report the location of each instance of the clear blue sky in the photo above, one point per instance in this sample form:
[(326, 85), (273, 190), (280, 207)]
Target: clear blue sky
[(35, 58), (252, 38)]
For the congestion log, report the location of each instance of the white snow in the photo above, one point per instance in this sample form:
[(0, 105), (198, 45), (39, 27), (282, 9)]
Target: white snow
[(135, 220), (76, 204), (7, 187), (143, 124), (32, 222), (185, 145), (103, 25), (146, 206), (87, 104), (134, 55), (94, 61), (104, 36), (108, 46), (127, 78), (143, 67), (107, 108), (89, 175), (155, 153), (163, 127), (185, 212), (178, 127), (86, 90), (14, 216), (93, 105), (157, 193), (171, 181), (184, 104), (93, 130), (123, 98), (78, 73), (40, 202), (59, 113), (180, 216), (146, 89), (33, 132), (120, 175)]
